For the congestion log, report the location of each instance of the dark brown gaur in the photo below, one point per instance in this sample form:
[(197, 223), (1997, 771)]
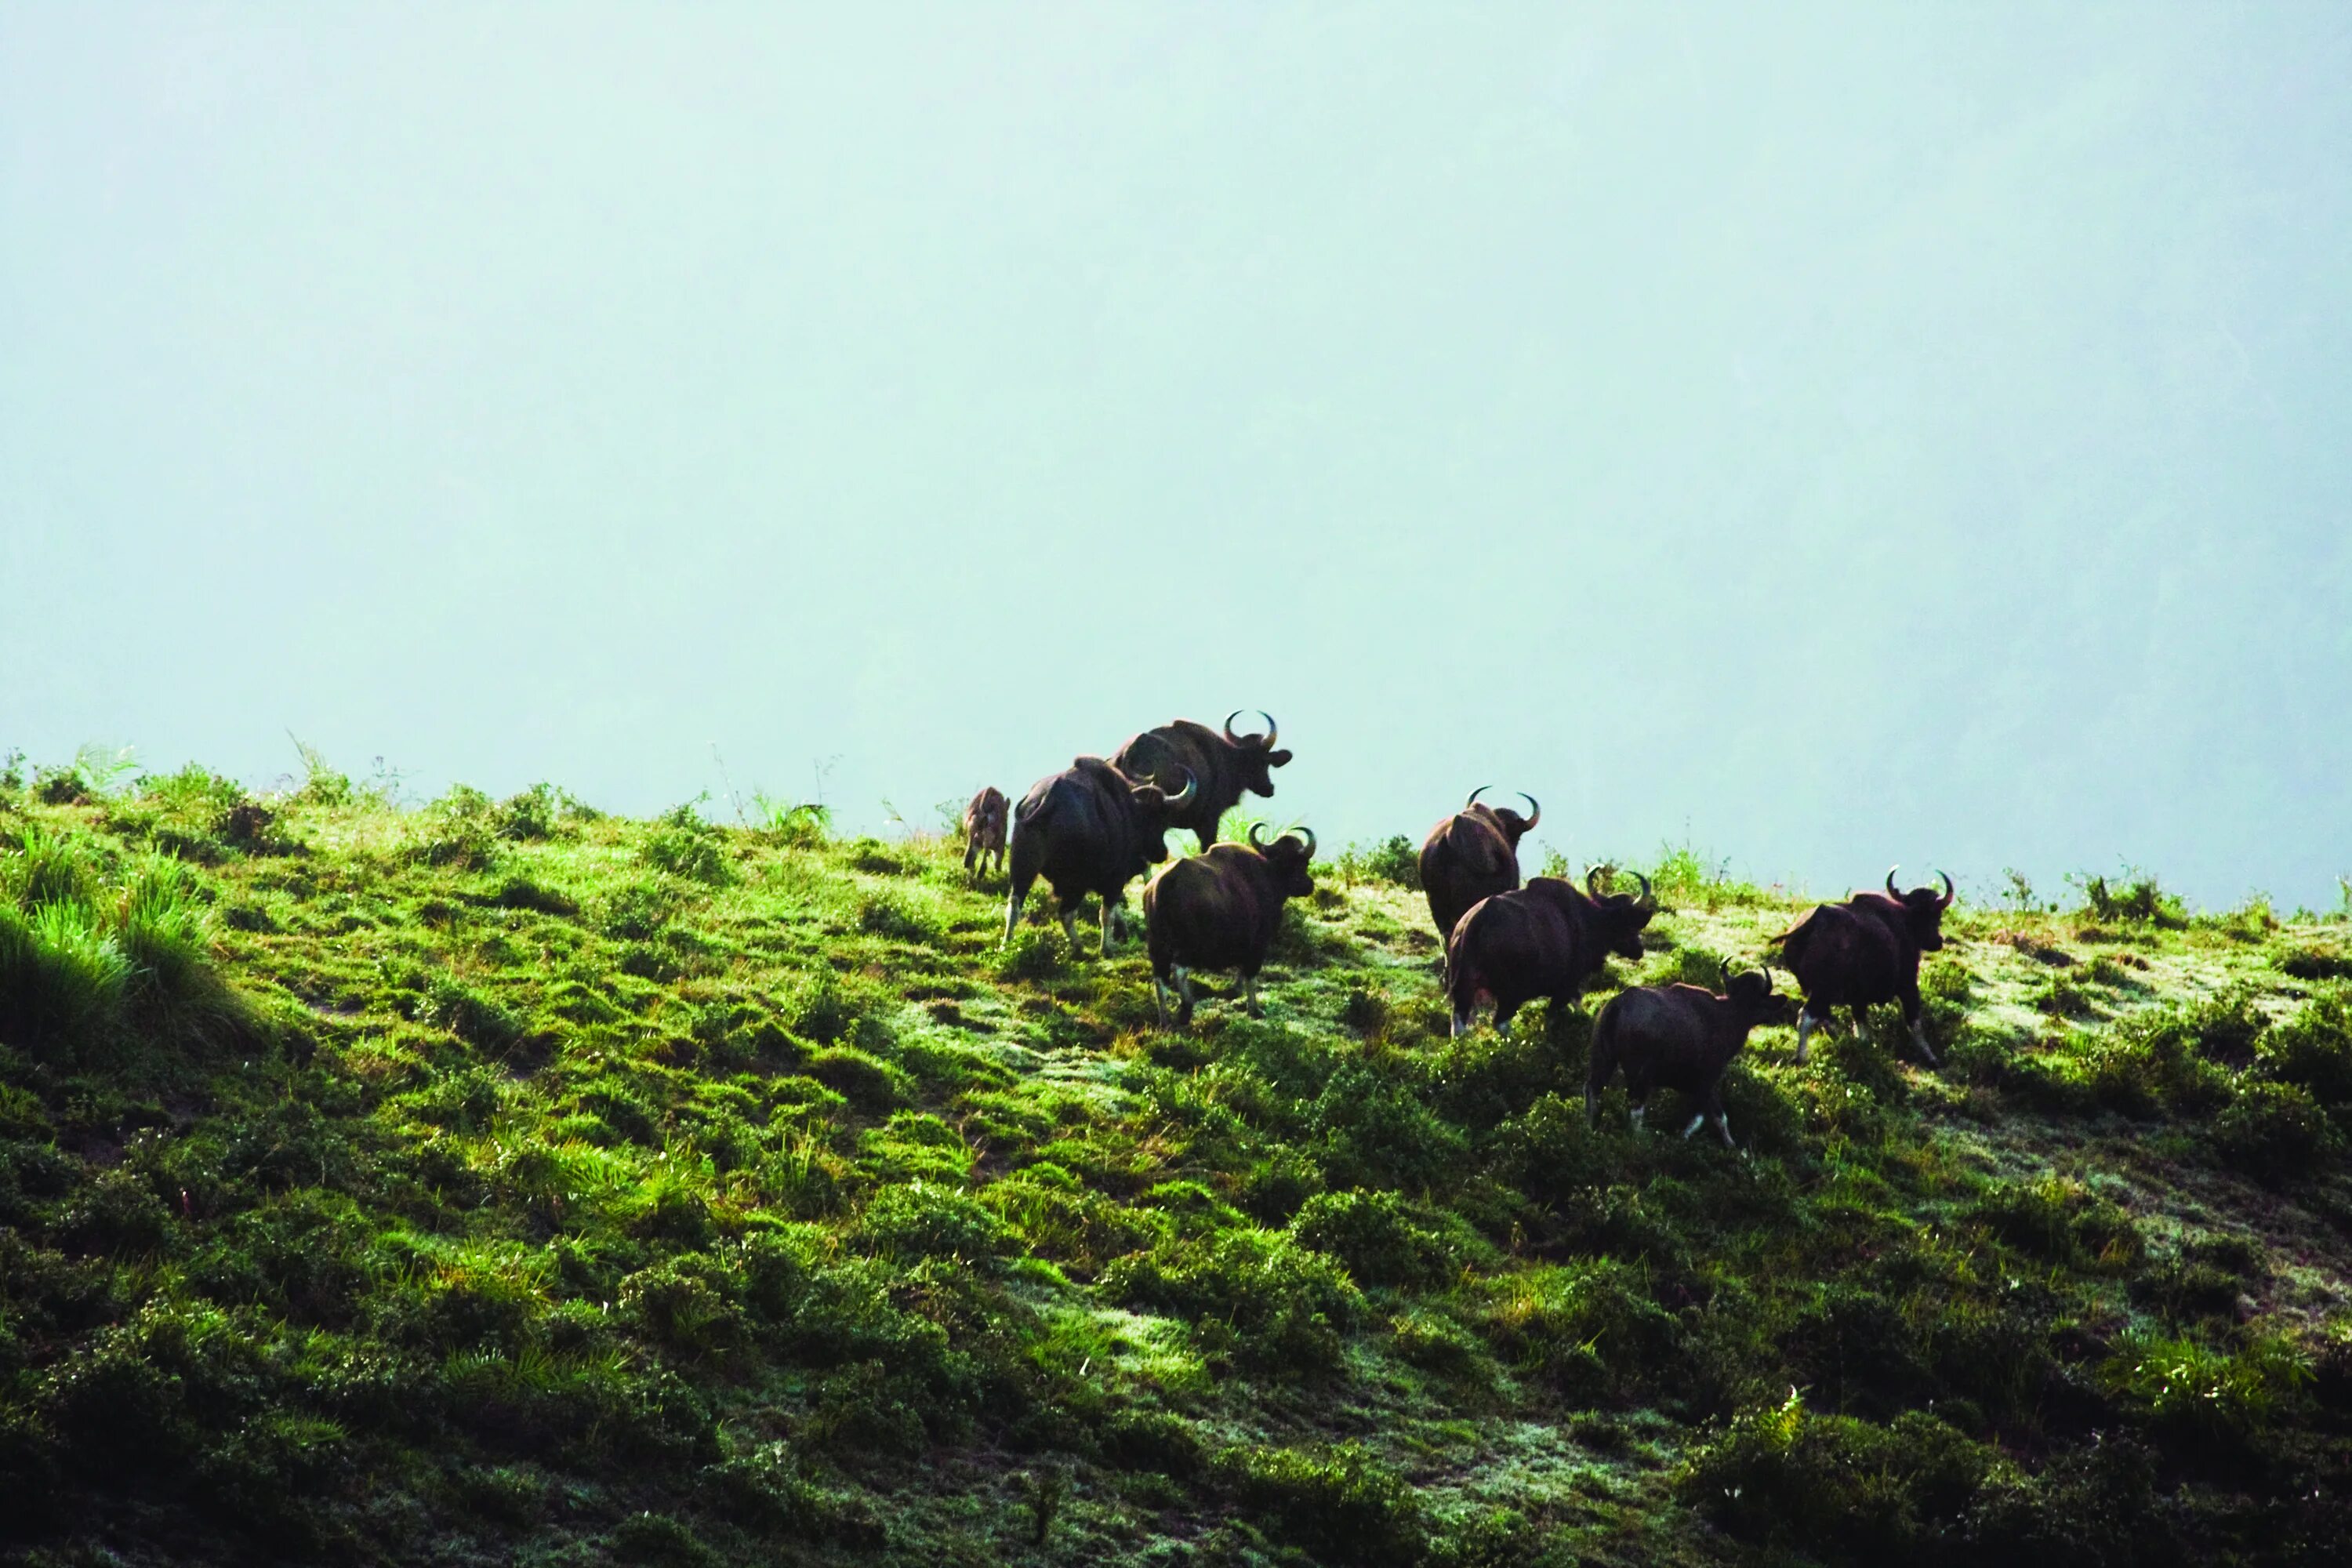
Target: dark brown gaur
[(984, 831), (1220, 910), (1089, 828), (1865, 952), (1679, 1038), (1473, 855), (1545, 940), (1226, 766)]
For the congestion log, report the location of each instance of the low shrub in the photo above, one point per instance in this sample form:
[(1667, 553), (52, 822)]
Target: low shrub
[(1845, 1490), (682, 845), (1339, 1504), (1379, 1239), (2275, 1131)]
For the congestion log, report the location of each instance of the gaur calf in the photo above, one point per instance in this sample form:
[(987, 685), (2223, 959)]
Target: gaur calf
[(1220, 910), (1679, 1038), (1473, 855), (1863, 952), (984, 831), (1545, 940)]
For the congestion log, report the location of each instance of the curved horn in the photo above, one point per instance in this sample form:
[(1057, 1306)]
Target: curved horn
[(1890, 880), (1724, 966), (1949, 891), (1475, 793), (1534, 811), (1648, 900), (1255, 841), (1183, 797), (1271, 729), (1591, 881), (1308, 834)]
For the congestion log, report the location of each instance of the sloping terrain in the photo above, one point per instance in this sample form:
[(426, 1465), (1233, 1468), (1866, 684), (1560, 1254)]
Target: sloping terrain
[(503, 1181)]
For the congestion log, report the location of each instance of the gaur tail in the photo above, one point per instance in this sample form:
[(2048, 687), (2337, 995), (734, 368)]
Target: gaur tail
[(1461, 984)]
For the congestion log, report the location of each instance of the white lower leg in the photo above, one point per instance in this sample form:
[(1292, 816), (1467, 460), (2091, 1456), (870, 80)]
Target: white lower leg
[(1723, 1125), (1805, 1027), (1697, 1122), (1639, 1112), (1249, 993)]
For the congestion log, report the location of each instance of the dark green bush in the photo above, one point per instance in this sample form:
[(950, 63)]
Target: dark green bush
[(1339, 1504), (921, 1219), (1257, 1295), (1379, 1240), (1844, 1490), (2275, 1131), (2313, 1051)]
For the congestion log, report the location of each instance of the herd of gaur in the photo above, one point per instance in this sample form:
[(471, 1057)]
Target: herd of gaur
[(1099, 823)]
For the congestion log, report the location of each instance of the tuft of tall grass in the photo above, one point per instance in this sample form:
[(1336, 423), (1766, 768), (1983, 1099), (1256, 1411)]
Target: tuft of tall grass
[(63, 976)]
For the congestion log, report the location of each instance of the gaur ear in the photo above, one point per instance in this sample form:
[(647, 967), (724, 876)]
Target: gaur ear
[(1275, 759)]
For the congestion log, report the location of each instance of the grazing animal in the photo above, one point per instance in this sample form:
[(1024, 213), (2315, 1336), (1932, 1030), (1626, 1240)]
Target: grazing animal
[(1473, 855), (983, 830), (1089, 828), (1863, 952), (1225, 766), (1546, 938), (1679, 1038), (1220, 910)]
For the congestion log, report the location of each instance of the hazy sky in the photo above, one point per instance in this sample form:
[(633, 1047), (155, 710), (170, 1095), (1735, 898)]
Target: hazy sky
[(1840, 435)]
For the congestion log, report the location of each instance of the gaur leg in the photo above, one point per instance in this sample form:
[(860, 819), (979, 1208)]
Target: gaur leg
[(1807, 1022), (1711, 1109), (1916, 1016), (971, 853), (1249, 996), (1640, 1112), (1012, 901), (1109, 918), (1070, 921), (1184, 990)]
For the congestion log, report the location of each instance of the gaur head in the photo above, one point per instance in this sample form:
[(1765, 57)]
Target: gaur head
[(1287, 856), (1753, 996), (1621, 916), (1923, 910), (1255, 753), (1515, 826), (1154, 806)]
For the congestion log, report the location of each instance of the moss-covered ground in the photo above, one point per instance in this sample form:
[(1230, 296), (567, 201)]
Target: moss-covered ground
[(502, 1181)]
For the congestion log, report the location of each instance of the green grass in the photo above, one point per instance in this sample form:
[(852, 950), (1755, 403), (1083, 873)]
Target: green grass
[(496, 1180)]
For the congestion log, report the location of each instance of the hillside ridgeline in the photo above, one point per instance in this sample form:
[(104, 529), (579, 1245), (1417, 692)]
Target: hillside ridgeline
[(500, 1180)]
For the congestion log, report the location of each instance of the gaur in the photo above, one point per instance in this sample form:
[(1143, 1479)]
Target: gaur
[(1679, 1038), (1224, 765), (1220, 910), (1546, 940), (1089, 828), (1473, 855), (1863, 952), (984, 831)]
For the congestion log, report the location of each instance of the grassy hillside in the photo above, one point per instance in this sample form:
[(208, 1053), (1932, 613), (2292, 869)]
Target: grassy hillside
[(500, 1180)]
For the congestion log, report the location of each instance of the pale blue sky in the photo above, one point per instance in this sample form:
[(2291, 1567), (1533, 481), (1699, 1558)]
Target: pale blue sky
[(1842, 434)]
